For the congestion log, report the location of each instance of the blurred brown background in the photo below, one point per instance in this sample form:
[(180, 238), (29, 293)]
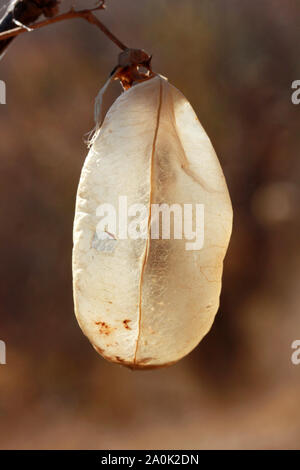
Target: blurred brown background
[(235, 61)]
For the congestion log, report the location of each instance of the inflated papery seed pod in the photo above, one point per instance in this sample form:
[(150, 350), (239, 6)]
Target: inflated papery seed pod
[(144, 300)]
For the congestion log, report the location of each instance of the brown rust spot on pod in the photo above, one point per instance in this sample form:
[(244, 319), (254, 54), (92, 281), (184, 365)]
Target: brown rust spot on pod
[(104, 328), (125, 323), (131, 365)]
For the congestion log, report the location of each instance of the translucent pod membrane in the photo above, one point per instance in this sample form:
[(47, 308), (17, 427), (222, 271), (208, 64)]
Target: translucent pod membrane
[(146, 301)]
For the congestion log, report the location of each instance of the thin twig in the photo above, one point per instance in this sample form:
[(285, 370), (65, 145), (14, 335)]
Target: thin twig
[(24, 13), (85, 14)]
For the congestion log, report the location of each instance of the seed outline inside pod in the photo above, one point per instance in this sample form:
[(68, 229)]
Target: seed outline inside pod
[(147, 303)]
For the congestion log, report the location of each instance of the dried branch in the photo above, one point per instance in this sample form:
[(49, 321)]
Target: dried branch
[(25, 12), (87, 15)]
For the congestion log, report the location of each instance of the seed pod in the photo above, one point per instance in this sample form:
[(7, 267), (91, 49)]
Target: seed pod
[(145, 301)]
